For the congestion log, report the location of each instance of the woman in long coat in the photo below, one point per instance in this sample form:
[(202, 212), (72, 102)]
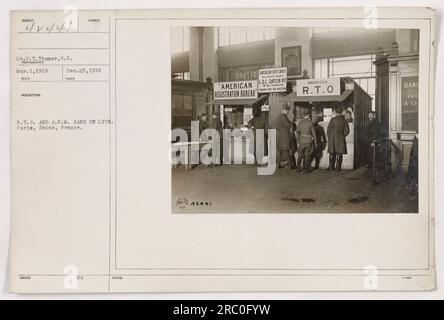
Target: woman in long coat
[(337, 130), (284, 126)]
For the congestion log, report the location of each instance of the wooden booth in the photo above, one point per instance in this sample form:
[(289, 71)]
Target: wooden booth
[(236, 114), (322, 96), (188, 101)]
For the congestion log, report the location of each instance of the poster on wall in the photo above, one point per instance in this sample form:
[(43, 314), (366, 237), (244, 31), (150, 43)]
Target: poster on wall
[(272, 80), (292, 59), (409, 103)]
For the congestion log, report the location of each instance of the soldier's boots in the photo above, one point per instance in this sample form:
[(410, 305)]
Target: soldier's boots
[(339, 162), (292, 162), (299, 164), (332, 160)]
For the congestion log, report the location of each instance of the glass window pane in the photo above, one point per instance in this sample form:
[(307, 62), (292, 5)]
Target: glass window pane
[(186, 39), (176, 39), (317, 68), (351, 67), (176, 111), (269, 33), (321, 68), (255, 34), (224, 30), (367, 58), (224, 40), (371, 86), (237, 35), (180, 39), (364, 84)]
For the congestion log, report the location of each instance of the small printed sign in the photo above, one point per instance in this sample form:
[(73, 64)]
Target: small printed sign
[(272, 80)]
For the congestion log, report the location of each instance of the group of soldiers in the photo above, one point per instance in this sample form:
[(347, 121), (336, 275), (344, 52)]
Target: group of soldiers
[(304, 136), (308, 139)]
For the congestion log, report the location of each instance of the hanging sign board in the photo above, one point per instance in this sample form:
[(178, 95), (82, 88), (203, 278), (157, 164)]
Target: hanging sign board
[(272, 80), (246, 89), (318, 87)]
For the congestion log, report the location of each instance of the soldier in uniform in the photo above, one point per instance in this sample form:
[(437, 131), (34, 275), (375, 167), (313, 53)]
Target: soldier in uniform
[(307, 141), (337, 130)]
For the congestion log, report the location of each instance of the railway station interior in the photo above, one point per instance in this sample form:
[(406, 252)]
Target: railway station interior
[(376, 70)]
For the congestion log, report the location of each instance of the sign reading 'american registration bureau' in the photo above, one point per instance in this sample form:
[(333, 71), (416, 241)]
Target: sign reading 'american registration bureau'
[(246, 89), (318, 87)]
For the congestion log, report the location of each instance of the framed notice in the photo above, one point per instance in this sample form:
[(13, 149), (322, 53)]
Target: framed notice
[(409, 103), (292, 59)]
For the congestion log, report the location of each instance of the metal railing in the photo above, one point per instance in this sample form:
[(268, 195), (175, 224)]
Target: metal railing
[(383, 151)]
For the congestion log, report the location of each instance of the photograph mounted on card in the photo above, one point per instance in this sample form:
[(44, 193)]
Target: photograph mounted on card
[(222, 150)]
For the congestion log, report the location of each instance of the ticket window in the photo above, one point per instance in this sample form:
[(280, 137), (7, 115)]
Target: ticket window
[(238, 117), (234, 117)]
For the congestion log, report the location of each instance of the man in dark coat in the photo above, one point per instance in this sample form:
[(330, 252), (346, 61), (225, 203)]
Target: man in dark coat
[(322, 143), (337, 130), (283, 127), (373, 134), (412, 173), (216, 124), (259, 122), (307, 140)]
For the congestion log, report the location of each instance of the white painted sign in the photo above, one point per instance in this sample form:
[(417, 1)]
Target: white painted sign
[(272, 80), (318, 87), (246, 89)]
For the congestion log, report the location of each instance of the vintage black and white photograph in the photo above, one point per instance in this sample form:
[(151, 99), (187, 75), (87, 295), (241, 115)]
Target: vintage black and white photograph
[(294, 120)]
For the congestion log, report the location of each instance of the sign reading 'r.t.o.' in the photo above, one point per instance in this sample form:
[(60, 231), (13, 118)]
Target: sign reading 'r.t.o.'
[(318, 87)]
